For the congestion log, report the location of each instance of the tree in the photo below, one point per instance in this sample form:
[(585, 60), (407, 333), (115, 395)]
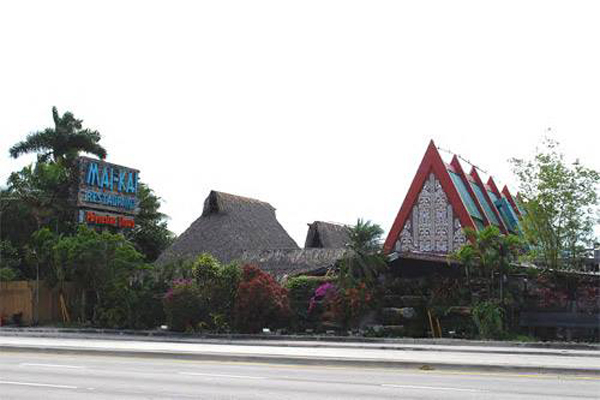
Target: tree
[(560, 201), (150, 235), (365, 237), (61, 144), (364, 261), (9, 261), (104, 265), (43, 188), (488, 252)]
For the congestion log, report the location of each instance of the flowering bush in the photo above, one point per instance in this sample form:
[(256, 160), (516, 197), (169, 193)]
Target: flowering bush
[(326, 290), (206, 300), (260, 302), (181, 304), (588, 298), (344, 307), (301, 290)]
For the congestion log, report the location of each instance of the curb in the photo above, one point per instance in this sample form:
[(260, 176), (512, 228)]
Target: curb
[(388, 346), (321, 339), (323, 361)]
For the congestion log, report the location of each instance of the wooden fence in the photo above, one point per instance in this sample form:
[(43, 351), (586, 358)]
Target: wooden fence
[(19, 297)]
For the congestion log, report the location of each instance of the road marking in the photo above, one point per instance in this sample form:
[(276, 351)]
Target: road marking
[(431, 388), (222, 375), (37, 385), (405, 371), (51, 365)]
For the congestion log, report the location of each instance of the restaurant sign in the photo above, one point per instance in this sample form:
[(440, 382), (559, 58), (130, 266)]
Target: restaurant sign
[(105, 219), (107, 187)]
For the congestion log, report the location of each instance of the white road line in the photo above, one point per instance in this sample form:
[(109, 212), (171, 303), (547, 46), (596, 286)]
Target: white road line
[(48, 385), (51, 365), (221, 376), (431, 388)]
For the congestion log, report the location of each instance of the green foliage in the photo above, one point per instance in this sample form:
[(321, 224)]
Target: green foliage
[(8, 274), (44, 190), (365, 237), (183, 306), (209, 292), (488, 317), (102, 264), (488, 252), (9, 256), (352, 304), (61, 144), (300, 291), (365, 260), (150, 235), (40, 251), (561, 206)]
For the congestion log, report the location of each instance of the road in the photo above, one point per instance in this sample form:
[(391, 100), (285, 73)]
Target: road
[(29, 375)]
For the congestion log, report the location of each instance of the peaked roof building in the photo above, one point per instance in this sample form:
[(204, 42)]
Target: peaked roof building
[(236, 228), (327, 235), (442, 200), (229, 226)]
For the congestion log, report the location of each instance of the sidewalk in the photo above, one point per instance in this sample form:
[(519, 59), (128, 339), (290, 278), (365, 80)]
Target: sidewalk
[(282, 340), (381, 354)]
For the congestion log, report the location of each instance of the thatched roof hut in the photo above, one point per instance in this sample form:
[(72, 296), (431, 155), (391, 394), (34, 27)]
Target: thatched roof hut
[(327, 235), (228, 226), (287, 263)]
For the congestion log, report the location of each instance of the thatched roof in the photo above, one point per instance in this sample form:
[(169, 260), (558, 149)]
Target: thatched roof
[(228, 226), (327, 235), (280, 263)]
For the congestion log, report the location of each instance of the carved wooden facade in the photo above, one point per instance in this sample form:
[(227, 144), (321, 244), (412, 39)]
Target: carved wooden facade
[(432, 226), (441, 201)]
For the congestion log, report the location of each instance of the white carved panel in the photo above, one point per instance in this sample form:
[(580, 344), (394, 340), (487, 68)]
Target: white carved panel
[(431, 227)]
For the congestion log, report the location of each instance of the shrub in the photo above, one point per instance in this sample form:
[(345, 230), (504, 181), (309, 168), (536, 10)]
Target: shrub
[(8, 274), (260, 302), (488, 317), (182, 304), (344, 307), (209, 296), (300, 291)]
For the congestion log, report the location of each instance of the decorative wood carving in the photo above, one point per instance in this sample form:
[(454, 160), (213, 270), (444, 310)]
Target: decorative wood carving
[(432, 227)]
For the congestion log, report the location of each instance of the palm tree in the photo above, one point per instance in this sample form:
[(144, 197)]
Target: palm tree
[(491, 251), (364, 261), (63, 143)]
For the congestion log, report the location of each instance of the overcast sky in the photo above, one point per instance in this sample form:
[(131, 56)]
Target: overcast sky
[(322, 108)]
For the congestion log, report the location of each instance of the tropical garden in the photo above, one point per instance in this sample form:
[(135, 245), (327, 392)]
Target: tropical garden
[(479, 293)]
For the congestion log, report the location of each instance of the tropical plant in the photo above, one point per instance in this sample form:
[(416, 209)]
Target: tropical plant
[(560, 201), (9, 256), (488, 317), (208, 291), (488, 252), (364, 261), (150, 235), (260, 302), (63, 143), (218, 285), (102, 264), (182, 306), (43, 189), (301, 290)]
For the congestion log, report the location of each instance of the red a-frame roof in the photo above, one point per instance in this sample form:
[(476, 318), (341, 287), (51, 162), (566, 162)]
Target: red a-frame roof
[(432, 163), (473, 210)]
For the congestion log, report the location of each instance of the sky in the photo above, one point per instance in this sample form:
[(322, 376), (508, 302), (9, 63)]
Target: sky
[(322, 108)]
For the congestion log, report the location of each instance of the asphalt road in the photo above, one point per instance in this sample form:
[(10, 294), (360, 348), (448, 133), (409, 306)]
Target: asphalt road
[(25, 375)]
